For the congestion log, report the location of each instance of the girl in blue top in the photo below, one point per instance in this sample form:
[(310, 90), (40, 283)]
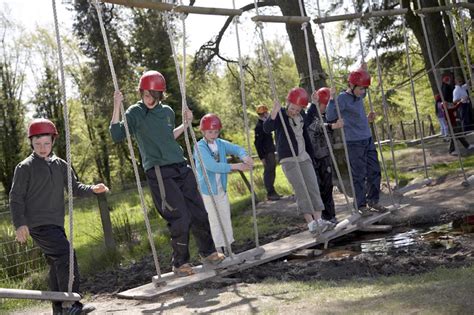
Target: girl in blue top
[(214, 153)]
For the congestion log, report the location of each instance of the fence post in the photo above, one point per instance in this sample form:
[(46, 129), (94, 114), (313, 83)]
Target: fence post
[(423, 128), (390, 127), (383, 132), (403, 130), (432, 131), (105, 219), (414, 128)]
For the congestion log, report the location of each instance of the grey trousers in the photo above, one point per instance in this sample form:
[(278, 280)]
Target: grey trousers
[(309, 180)]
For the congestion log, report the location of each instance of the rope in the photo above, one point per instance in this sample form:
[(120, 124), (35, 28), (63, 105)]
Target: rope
[(384, 99), (246, 126), (275, 100), (181, 79), (377, 135), (412, 91), (343, 134), (68, 151), (438, 86), (313, 88), (468, 57), (456, 44), (129, 142)]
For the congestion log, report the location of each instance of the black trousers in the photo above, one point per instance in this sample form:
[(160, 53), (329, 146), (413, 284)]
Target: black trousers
[(189, 211), (269, 172), (323, 169), (458, 129), (55, 246)]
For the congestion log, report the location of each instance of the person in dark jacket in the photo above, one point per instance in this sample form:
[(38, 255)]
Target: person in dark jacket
[(307, 184), (266, 153), (37, 208), (322, 159)]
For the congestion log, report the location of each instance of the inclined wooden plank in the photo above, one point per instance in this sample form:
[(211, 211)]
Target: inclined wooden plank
[(38, 295), (274, 250)]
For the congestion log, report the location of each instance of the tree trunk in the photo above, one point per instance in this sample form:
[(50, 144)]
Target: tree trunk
[(297, 41)]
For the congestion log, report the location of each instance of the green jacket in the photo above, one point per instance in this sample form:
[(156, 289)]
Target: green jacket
[(153, 130)]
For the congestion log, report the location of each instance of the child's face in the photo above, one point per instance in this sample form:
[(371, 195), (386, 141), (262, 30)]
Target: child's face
[(211, 135), (149, 100), (359, 91), (293, 110), (42, 146), (322, 108)]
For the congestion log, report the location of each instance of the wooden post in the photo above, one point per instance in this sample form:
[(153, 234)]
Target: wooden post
[(383, 132), (422, 128), (414, 128), (390, 128), (403, 130), (432, 130), (106, 223)]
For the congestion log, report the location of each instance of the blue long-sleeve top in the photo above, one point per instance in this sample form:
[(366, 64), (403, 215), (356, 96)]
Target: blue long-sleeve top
[(356, 124), (214, 167)]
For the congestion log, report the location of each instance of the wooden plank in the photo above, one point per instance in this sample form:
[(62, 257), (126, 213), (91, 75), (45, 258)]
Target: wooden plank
[(272, 251), (162, 6), (376, 228), (281, 19), (38, 295)]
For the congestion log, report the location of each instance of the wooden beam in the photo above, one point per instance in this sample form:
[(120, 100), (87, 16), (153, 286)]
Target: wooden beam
[(465, 5), (158, 5), (38, 295), (359, 15), (434, 9), (281, 19)]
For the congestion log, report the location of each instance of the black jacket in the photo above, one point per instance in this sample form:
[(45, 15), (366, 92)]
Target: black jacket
[(282, 145), (263, 141), (316, 132)]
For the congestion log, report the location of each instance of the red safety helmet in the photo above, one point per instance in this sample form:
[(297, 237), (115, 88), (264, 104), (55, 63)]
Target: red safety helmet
[(152, 80), (210, 122), (359, 77), (42, 126), (324, 94), (298, 96)]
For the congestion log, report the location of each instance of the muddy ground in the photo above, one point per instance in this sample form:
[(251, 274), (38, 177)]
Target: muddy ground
[(429, 231)]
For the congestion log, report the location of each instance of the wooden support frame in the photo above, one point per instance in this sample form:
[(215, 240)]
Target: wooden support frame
[(281, 19), (158, 5), (38, 295), (359, 15)]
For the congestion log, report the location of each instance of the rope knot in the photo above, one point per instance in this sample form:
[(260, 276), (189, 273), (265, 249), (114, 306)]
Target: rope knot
[(236, 19), (259, 24), (304, 25)]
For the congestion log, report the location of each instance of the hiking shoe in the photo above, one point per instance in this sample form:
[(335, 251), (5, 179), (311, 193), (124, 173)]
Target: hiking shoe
[(334, 221), (213, 259), (319, 227), (377, 207), (184, 270), (78, 309), (365, 211), (455, 153)]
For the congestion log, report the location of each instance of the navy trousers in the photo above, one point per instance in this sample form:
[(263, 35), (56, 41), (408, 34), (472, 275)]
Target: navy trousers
[(323, 168), (365, 169), (189, 212)]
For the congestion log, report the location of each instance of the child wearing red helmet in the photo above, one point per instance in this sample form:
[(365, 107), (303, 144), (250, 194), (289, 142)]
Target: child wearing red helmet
[(293, 117), (37, 208), (214, 152), (365, 167), (171, 180), (322, 159)]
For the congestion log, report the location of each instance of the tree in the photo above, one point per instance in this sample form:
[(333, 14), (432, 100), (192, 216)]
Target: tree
[(12, 135)]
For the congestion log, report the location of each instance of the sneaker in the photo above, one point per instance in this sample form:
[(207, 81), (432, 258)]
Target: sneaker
[(213, 259), (377, 207), (184, 270), (455, 153), (78, 309), (312, 227), (334, 221), (364, 211), (273, 196), (319, 227), (470, 147)]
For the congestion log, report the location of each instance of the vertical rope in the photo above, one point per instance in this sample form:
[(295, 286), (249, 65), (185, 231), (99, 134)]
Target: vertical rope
[(438, 86), (343, 134), (181, 81), (246, 126), (275, 99), (413, 96), (456, 44), (377, 134), (313, 88), (467, 52), (384, 98), (68, 151), (129, 142)]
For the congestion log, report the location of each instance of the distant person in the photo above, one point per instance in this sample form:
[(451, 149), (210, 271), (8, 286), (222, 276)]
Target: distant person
[(322, 158), (266, 153), (447, 87), (214, 152), (172, 182), (460, 95), (444, 130), (293, 116), (37, 208), (365, 167), (450, 111)]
